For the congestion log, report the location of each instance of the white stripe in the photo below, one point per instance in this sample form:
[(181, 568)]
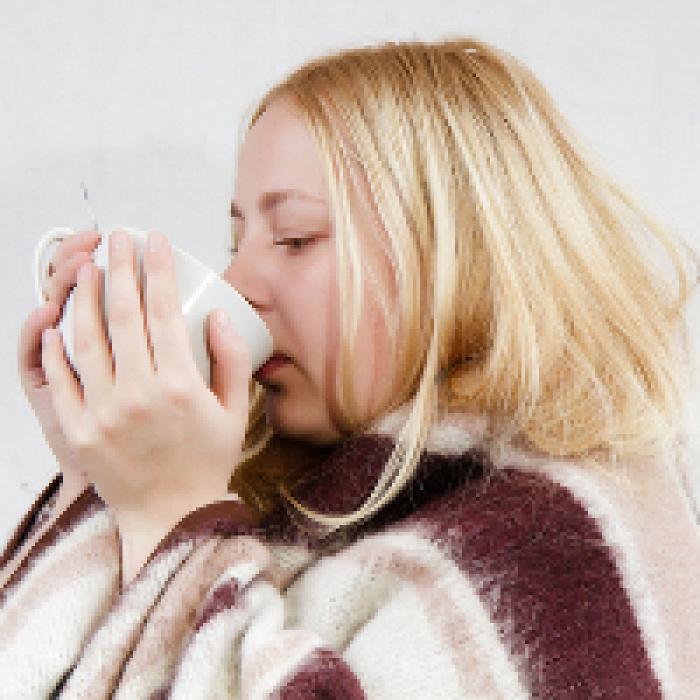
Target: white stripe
[(116, 633), (53, 629), (64, 548), (209, 669), (453, 434), (342, 599), (216, 666)]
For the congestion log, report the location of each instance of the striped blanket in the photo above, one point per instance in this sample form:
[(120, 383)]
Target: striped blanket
[(494, 574)]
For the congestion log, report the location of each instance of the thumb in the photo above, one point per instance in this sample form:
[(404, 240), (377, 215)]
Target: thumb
[(231, 363)]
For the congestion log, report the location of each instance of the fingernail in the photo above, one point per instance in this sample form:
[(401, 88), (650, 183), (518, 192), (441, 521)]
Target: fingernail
[(117, 240), (155, 243), (221, 320), (85, 272)]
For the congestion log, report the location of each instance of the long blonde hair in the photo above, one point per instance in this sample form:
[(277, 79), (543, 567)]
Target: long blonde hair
[(527, 284)]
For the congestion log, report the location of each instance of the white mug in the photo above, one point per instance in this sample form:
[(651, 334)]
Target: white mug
[(200, 289)]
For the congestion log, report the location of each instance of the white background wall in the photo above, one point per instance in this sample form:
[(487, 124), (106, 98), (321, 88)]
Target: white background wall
[(143, 101)]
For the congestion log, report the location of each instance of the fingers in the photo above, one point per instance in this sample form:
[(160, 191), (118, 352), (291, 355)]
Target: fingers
[(170, 342), (70, 254), (85, 241), (29, 345), (231, 364), (65, 391), (125, 316), (91, 352), (63, 280)]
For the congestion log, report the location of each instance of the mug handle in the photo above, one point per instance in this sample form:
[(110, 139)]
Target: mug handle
[(41, 259)]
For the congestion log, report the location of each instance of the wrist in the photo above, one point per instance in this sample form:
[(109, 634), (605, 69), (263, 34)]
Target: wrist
[(73, 483), (141, 530)]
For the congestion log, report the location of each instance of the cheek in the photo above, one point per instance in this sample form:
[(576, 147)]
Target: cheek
[(374, 365), (310, 302)]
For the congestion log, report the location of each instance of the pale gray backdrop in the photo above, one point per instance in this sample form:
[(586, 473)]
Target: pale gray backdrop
[(143, 100)]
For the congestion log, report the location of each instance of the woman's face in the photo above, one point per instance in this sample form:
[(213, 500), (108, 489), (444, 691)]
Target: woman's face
[(285, 266)]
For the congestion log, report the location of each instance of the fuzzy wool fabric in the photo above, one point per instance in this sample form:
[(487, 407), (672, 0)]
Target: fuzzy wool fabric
[(493, 574)]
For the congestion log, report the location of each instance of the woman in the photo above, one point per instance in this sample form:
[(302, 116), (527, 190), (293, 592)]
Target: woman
[(460, 476)]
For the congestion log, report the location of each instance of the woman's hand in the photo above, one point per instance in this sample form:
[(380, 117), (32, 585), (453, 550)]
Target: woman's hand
[(157, 441), (70, 254)]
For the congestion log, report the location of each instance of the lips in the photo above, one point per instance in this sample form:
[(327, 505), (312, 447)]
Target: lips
[(271, 366)]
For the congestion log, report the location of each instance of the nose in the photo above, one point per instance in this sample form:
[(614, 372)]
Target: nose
[(245, 272)]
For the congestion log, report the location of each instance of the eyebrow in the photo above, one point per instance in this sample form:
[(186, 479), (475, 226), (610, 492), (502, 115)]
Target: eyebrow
[(269, 200)]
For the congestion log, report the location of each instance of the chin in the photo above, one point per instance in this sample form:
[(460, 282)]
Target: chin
[(298, 420)]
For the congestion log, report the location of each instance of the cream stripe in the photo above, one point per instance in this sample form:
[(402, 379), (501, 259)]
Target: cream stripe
[(209, 669), (648, 519), (90, 538), (51, 638), (269, 653), (449, 601), (453, 434), (102, 659)]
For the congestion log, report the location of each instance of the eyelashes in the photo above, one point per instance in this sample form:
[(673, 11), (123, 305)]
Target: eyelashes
[(294, 243)]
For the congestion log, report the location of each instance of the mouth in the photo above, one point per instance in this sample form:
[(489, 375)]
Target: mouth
[(274, 364)]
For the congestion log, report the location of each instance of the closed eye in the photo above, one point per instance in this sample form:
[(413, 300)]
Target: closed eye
[(295, 243)]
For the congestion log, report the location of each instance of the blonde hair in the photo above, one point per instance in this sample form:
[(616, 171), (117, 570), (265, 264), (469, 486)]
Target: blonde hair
[(526, 283)]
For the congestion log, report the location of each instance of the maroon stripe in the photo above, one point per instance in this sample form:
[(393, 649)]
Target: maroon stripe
[(541, 564), (224, 597), (325, 676), (25, 524), (343, 481), (338, 485), (547, 575), (551, 584)]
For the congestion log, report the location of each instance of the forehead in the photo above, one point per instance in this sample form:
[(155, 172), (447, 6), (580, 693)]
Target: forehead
[(279, 153)]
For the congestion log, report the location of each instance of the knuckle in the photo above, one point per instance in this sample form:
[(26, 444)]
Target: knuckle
[(82, 440), (64, 248), (134, 404), (119, 312), (176, 393), (160, 309), (57, 289), (60, 284), (106, 424), (56, 260), (82, 344), (49, 287), (68, 271)]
